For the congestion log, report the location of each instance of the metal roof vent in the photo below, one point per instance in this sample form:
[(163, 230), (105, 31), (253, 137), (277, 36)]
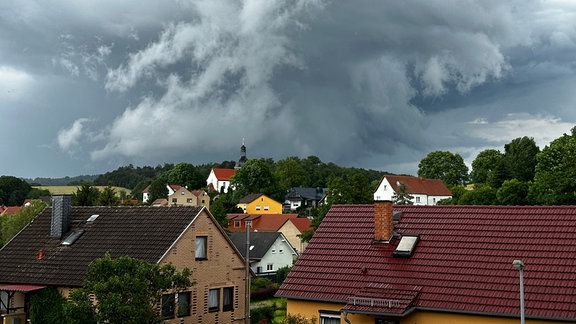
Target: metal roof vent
[(406, 246)]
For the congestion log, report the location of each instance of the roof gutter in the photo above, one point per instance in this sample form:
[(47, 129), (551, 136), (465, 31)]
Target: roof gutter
[(443, 310)]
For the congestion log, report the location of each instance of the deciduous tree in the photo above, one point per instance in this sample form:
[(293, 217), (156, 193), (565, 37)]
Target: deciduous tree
[(513, 192), (13, 191), (444, 165), (520, 156), (555, 173), (185, 174), (484, 165), (86, 195), (126, 290)]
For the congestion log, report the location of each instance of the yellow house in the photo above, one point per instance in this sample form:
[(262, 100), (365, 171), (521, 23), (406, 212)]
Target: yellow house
[(259, 204), (55, 249), (385, 264)]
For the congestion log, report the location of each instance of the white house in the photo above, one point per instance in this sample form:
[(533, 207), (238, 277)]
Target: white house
[(219, 179), (423, 191), (269, 251)]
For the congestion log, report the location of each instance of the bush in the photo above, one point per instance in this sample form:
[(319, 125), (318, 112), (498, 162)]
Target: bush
[(263, 294), (282, 273), (263, 313), (260, 283)]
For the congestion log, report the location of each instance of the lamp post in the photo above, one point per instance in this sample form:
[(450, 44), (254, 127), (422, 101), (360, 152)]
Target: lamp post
[(247, 296), (519, 265)]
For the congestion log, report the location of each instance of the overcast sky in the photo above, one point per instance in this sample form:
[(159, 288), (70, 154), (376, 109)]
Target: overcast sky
[(89, 86)]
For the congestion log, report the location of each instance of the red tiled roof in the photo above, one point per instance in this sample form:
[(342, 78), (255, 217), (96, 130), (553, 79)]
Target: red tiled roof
[(10, 210), (223, 174), (20, 288), (462, 262), (301, 223), (431, 187), (261, 222)]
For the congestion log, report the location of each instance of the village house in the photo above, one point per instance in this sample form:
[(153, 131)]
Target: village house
[(54, 250), (423, 191), (405, 264), (269, 251), (259, 203), (219, 179), (290, 225), (302, 197)]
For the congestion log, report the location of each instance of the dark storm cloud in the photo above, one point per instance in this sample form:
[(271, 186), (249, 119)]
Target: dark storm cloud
[(367, 83)]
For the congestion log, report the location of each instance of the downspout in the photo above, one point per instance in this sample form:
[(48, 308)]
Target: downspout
[(346, 316)]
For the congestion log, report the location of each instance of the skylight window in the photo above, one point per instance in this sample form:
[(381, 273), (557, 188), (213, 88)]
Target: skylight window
[(72, 237), (406, 246), (92, 218)]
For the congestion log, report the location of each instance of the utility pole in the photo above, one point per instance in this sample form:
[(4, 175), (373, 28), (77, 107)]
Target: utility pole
[(248, 224)]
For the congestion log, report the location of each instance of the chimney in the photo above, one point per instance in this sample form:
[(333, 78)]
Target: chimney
[(383, 220), (60, 222)]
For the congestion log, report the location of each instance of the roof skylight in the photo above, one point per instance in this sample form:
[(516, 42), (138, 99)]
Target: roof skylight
[(92, 218), (72, 237), (406, 246)]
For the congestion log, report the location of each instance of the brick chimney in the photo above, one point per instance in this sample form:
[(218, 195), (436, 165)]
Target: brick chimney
[(60, 222), (383, 220)]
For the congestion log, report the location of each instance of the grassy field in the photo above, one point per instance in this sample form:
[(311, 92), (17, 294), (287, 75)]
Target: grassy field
[(68, 190)]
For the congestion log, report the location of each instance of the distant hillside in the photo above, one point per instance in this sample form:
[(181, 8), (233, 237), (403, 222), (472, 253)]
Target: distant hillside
[(68, 190), (61, 181)]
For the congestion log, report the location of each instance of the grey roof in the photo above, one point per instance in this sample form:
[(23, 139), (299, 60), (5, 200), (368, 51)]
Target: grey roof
[(250, 198), (306, 193), (262, 242), (145, 233)]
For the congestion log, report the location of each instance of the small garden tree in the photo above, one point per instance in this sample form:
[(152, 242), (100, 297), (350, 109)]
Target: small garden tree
[(126, 290)]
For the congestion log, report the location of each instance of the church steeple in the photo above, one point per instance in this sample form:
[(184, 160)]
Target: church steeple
[(242, 155)]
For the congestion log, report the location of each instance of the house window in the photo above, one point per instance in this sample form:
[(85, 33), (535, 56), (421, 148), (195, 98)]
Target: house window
[(269, 267), (417, 199), (182, 193), (168, 306), (183, 304), (273, 250), (265, 207), (280, 250), (385, 321), (259, 269), (329, 317), (201, 242), (213, 300), (227, 299), (257, 207), (236, 223), (202, 200), (189, 200), (174, 200)]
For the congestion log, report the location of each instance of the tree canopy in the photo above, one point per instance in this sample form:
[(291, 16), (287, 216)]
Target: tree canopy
[(126, 290), (554, 180), (255, 176), (444, 165), (187, 175), (484, 165), (13, 191)]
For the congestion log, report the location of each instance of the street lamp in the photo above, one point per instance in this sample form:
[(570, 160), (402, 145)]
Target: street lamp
[(519, 265)]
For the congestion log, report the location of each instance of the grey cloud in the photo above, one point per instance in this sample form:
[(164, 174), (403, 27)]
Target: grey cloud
[(368, 83)]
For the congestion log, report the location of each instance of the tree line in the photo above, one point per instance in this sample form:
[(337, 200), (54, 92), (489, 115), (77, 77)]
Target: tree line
[(520, 175)]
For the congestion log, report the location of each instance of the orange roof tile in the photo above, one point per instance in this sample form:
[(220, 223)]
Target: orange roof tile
[(223, 174)]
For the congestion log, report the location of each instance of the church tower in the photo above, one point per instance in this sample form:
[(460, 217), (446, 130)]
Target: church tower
[(243, 158)]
